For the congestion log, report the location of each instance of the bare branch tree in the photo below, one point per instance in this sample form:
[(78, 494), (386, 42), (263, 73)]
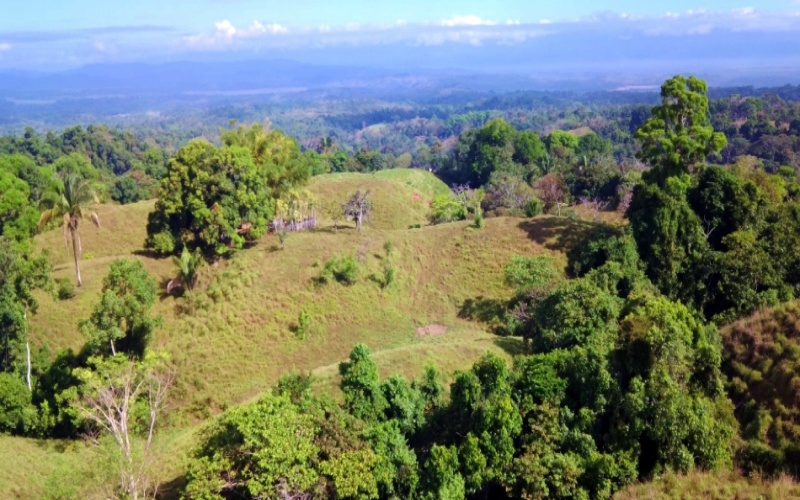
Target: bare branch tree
[(109, 398), (594, 205), (358, 207), (552, 191)]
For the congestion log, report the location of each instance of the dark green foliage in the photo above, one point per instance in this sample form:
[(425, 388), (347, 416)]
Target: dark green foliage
[(400, 461), (18, 216), (533, 207), (442, 479), (493, 149), (217, 199), (17, 414), (404, 404), (430, 388), (65, 290), (363, 395), (721, 241), (679, 136), (120, 321), (296, 386), (126, 190), (607, 249), (670, 239), (592, 145), (574, 312), (21, 273), (342, 268)]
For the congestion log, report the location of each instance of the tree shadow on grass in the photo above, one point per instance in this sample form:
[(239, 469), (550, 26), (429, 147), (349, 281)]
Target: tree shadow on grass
[(487, 311), (556, 233), (172, 489), (482, 309), (334, 229), (150, 254), (515, 346)]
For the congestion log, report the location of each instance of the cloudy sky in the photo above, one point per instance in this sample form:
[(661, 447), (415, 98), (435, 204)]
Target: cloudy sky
[(58, 34)]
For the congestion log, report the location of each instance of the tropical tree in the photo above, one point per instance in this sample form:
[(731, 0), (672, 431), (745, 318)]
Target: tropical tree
[(679, 135), (70, 201), (121, 320)]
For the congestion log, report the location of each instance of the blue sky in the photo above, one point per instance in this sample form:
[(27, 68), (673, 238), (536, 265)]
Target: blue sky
[(59, 34)]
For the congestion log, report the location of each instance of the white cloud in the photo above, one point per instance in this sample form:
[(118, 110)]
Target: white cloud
[(225, 29), (225, 33), (474, 30), (257, 28), (469, 20), (5, 47)]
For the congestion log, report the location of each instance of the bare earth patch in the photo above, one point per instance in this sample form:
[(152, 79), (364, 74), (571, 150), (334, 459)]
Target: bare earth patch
[(432, 329)]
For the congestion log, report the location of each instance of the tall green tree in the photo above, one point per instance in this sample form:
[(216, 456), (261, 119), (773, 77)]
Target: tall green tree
[(678, 136), (71, 202), (21, 273), (17, 216), (121, 321), (218, 199), (361, 385)]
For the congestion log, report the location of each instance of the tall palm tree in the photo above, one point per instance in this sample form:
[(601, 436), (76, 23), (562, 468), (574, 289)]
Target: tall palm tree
[(70, 201)]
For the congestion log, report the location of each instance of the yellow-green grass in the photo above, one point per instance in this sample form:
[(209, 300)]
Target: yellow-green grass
[(400, 197), (237, 338), (29, 465), (712, 486)]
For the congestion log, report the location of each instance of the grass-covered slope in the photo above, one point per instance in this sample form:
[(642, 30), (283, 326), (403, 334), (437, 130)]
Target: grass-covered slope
[(399, 198), (234, 338), (711, 486)]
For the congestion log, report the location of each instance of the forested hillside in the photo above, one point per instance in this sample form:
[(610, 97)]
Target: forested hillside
[(530, 298)]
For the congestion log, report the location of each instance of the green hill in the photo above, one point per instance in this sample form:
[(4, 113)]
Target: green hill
[(234, 337)]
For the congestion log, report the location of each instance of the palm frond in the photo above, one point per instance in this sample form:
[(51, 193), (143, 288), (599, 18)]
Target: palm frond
[(95, 219), (47, 216)]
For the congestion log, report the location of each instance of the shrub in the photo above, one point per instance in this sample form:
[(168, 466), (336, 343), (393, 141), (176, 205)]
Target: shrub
[(162, 243), (66, 290), (342, 268), (303, 324), (534, 207), (388, 246), (478, 220), (524, 273), (388, 274), (444, 208)]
